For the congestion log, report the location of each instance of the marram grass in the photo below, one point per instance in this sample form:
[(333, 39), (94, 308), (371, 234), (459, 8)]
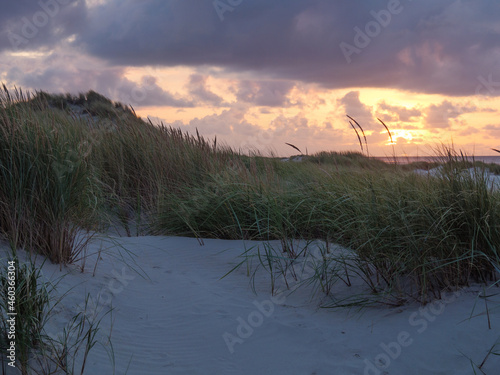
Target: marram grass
[(413, 234)]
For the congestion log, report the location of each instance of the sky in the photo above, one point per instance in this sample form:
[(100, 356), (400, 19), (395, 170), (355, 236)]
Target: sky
[(258, 74)]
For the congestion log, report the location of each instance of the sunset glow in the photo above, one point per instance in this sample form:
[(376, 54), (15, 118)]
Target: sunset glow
[(293, 78)]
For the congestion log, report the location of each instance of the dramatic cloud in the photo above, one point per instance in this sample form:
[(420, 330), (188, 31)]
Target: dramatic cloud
[(398, 113), (443, 115), (263, 73), (147, 93), (232, 124), (229, 121), (448, 47), (352, 106), (427, 46), (198, 88), (60, 73), (265, 93), (28, 25)]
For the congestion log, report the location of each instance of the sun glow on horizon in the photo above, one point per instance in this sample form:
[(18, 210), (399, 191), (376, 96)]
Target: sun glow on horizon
[(317, 118), (268, 112), (400, 134)]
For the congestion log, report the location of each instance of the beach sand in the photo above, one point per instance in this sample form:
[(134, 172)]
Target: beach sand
[(173, 314)]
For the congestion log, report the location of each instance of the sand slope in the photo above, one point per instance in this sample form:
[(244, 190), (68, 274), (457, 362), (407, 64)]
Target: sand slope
[(183, 319)]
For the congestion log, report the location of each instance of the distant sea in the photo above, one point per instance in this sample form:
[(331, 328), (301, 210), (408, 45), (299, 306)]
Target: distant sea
[(411, 159)]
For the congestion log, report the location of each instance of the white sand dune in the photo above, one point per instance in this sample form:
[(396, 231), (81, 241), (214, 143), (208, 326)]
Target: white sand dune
[(184, 319)]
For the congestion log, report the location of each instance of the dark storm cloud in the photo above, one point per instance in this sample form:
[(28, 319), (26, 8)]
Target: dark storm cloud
[(449, 47), (29, 25), (425, 46)]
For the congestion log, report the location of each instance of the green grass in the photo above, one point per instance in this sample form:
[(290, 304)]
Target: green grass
[(346, 159), (417, 234), (30, 302), (413, 234), (48, 191)]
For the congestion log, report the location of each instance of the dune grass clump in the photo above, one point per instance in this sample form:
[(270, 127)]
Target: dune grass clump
[(31, 305), (141, 163), (31, 297), (346, 159), (81, 162), (255, 198), (419, 234), (413, 234), (48, 191)]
